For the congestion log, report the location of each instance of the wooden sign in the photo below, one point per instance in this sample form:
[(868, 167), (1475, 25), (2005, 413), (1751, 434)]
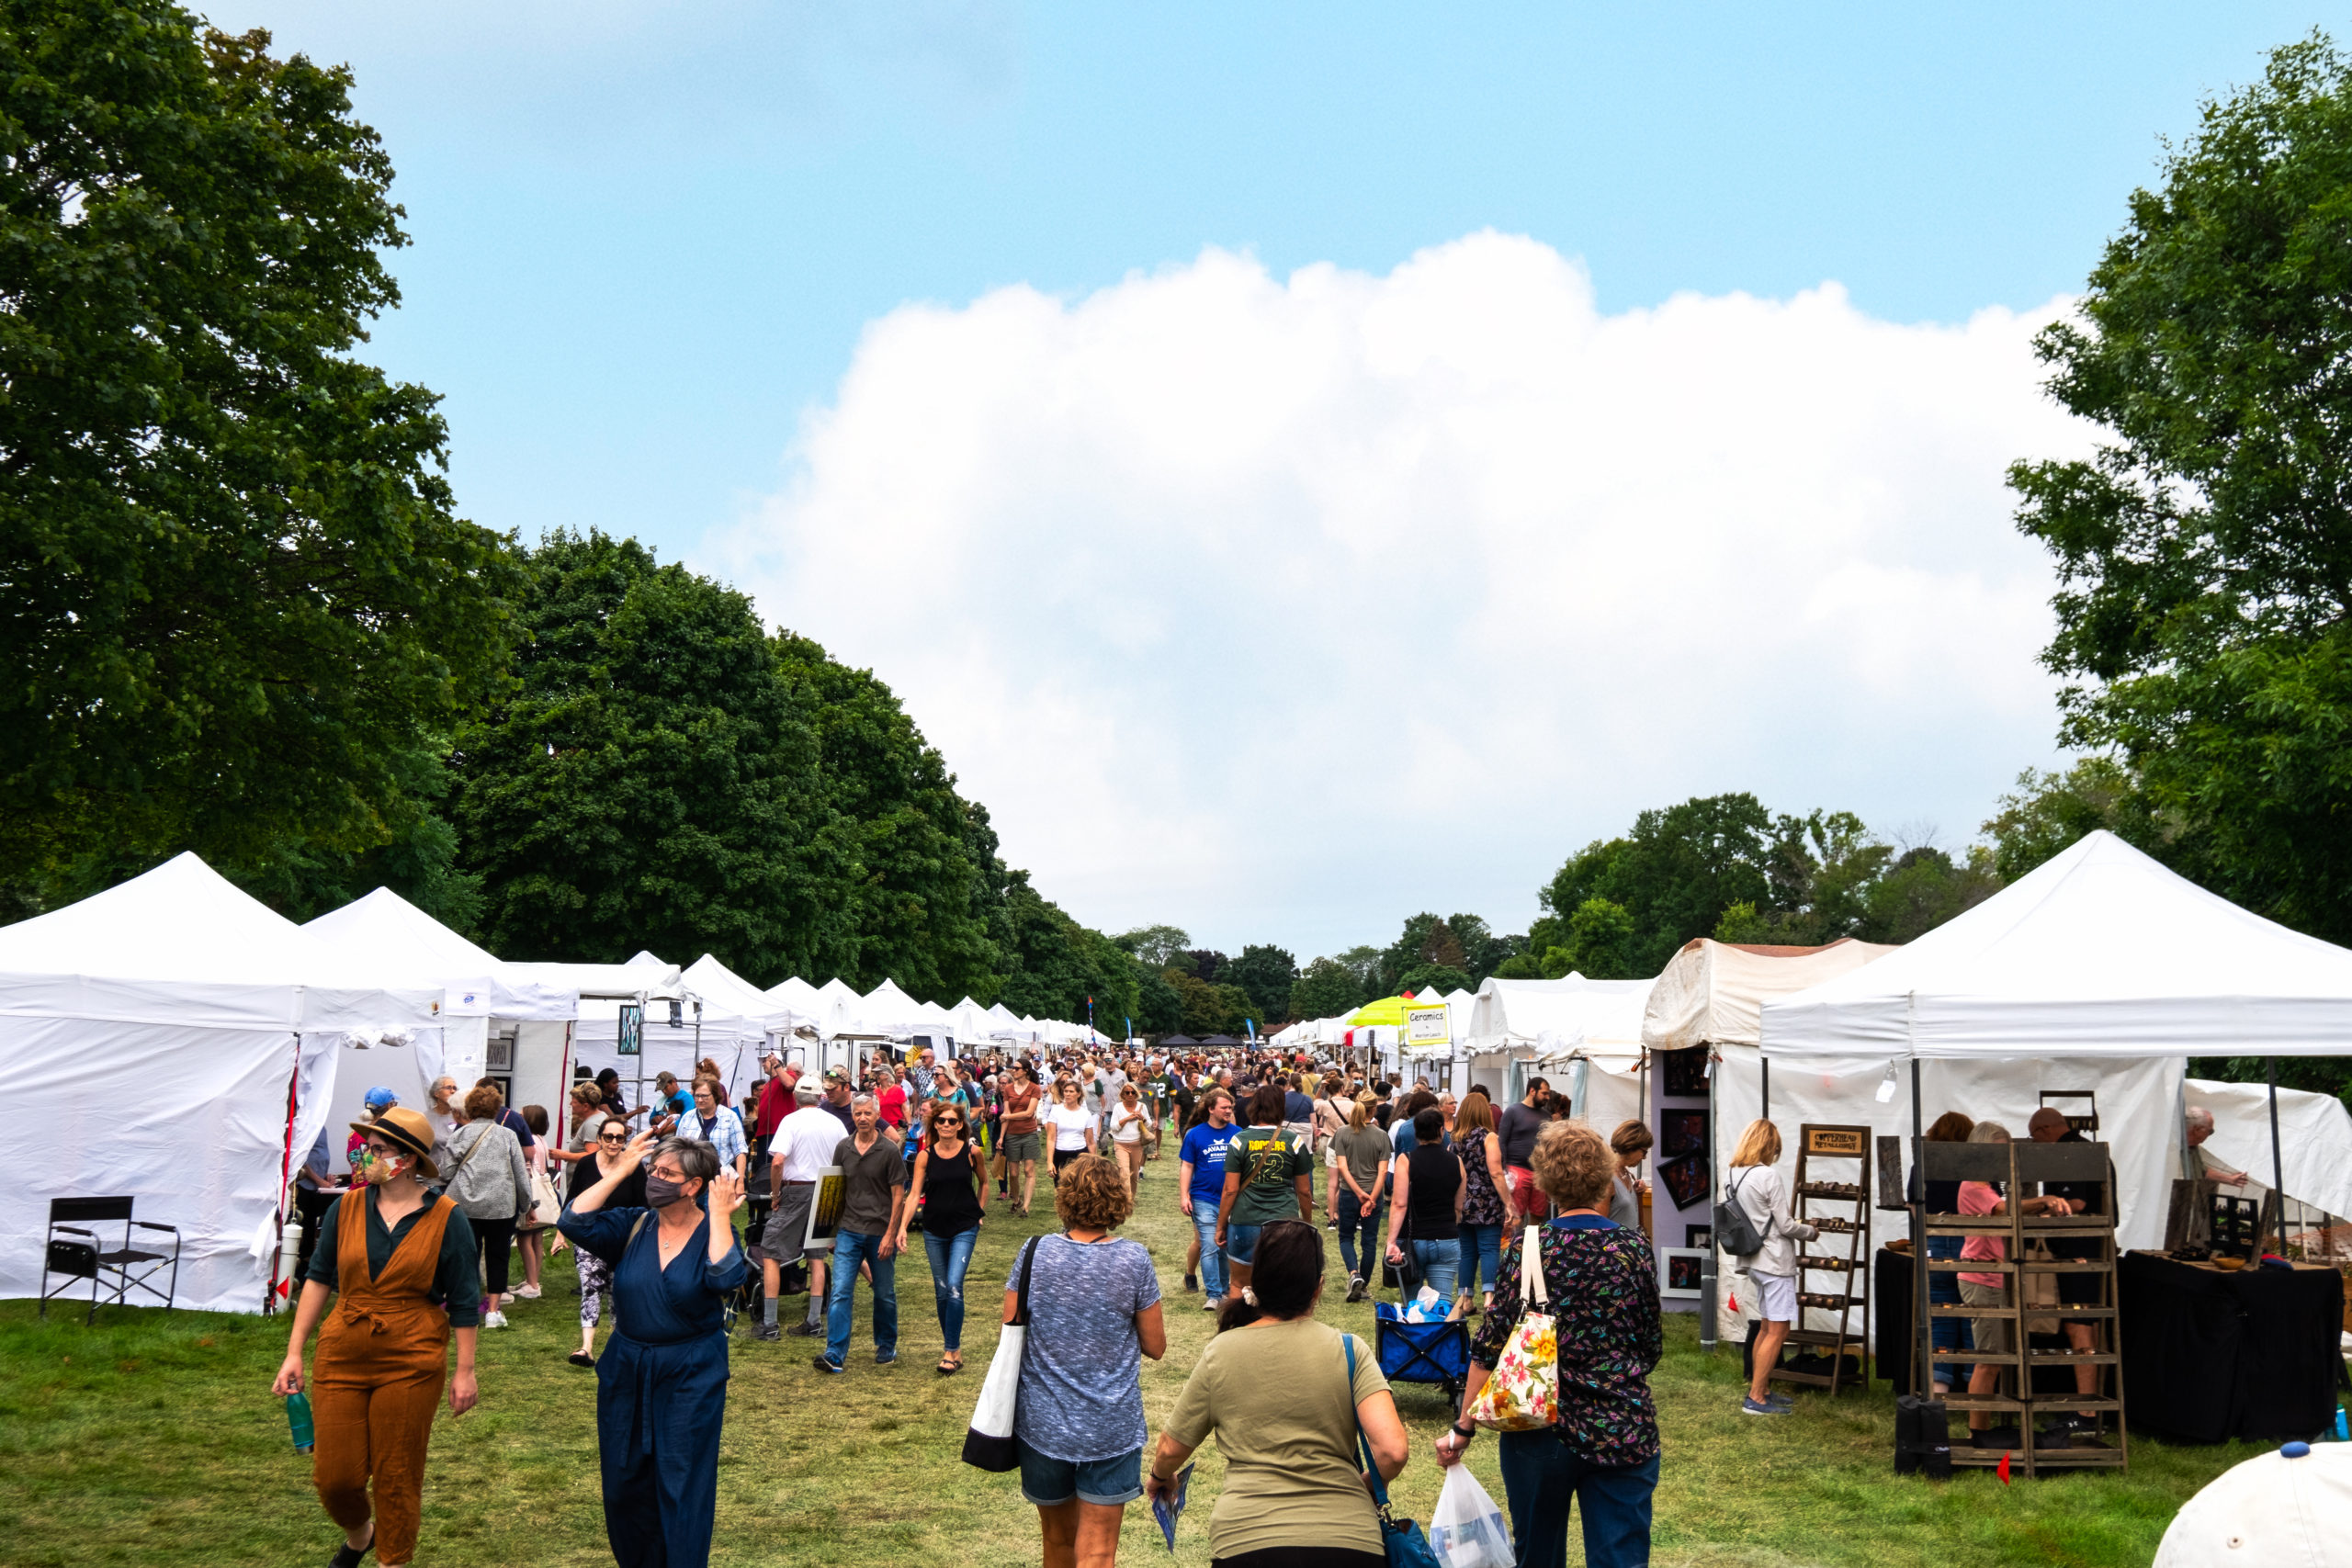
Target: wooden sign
[(1837, 1143)]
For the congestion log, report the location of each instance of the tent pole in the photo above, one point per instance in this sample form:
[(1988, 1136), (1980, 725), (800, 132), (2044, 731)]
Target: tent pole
[(1710, 1284), (1923, 1354), (1766, 1096), (2278, 1160)]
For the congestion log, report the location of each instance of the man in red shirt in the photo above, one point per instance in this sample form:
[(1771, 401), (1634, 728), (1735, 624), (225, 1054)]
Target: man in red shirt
[(775, 1097)]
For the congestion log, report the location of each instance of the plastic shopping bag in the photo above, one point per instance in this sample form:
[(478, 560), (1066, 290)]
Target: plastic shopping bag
[(1468, 1529)]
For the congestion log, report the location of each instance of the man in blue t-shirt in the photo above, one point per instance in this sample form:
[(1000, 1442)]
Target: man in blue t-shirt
[(1200, 1186)]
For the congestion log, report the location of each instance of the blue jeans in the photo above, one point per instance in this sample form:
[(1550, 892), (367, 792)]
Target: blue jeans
[(1374, 1227), (1951, 1333), (1542, 1475), (850, 1249), (951, 1256), (1481, 1246), (1213, 1282), (1437, 1261)]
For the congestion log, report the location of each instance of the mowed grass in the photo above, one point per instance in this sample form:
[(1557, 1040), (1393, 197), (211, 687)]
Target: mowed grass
[(152, 1439)]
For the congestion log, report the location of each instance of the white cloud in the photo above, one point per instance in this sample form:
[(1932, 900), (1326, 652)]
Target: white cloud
[(1283, 608)]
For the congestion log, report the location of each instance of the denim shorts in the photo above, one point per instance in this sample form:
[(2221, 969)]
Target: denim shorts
[(1241, 1242), (1049, 1483)]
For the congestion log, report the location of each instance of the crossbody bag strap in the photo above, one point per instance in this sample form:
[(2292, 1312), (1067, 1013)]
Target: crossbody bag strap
[(451, 1180), (1531, 1288), (1379, 1487)]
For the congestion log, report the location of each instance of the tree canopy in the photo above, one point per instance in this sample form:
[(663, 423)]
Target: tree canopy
[(241, 617)]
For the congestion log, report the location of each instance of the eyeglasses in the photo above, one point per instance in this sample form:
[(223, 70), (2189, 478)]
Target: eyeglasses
[(673, 1174)]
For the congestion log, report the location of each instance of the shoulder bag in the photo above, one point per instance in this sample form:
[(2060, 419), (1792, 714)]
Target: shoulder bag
[(1735, 1232), (1401, 1540), (1523, 1392), (988, 1444)]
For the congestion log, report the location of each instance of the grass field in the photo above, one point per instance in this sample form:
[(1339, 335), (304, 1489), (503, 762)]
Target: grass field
[(152, 1439)]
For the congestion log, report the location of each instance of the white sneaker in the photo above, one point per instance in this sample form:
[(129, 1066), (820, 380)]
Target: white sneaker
[(493, 1320), (526, 1293)]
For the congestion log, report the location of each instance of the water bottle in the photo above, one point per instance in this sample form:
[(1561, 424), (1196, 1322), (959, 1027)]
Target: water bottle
[(298, 1416), (2341, 1434)]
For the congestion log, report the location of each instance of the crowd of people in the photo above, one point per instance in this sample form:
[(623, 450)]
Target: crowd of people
[(647, 1196)]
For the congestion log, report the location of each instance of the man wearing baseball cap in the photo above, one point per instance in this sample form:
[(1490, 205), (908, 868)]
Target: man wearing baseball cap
[(837, 1098)]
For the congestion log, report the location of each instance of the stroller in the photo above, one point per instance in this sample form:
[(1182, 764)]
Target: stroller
[(1435, 1353)]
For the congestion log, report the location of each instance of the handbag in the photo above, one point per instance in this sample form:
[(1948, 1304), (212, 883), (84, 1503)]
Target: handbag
[(987, 1443), (546, 1207), (2039, 1289), (1523, 1392), (1400, 1540)]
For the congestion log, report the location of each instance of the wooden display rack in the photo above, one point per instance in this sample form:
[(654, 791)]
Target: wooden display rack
[(2021, 1168), (1838, 1209)]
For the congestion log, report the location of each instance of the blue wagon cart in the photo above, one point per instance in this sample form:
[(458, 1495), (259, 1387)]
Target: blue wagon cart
[(1435, 1353)]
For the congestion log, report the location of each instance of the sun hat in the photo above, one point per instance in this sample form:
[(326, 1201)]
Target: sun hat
[(410, 1130)]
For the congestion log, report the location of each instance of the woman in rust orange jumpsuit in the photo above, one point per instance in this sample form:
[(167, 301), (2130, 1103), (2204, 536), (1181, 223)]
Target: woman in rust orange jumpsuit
[(401, 1262)]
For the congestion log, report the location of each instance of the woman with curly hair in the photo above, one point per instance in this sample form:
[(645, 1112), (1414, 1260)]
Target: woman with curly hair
[(1093, 1315), (1601, 1281)]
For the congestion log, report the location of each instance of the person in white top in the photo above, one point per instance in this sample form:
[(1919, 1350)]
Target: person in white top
[(1074, 1127), (799, 1153), (1128, 1119)]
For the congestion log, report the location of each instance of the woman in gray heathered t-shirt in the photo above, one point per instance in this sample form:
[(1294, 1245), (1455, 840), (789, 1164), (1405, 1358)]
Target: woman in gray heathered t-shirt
[(1093, 1315)]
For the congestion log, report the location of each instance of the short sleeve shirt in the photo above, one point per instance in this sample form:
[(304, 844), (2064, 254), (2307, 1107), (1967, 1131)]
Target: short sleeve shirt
[(1271, 1161), (871, 1175), (1082, 1391), (1204, 1150)]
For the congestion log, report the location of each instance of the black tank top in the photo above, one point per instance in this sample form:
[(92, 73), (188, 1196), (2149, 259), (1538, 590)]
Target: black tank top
[(951, 1205)]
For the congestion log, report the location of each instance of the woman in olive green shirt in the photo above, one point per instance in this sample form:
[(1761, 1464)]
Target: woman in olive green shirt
[(1276, 1392)]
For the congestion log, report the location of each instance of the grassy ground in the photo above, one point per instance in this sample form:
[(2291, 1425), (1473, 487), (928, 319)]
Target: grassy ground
[(152, 1439)]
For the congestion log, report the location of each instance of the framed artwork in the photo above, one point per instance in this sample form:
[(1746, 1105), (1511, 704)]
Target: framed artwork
[(1679, 1280), (1685, 1180), (1699, 1238), (825, 1209), (1682, 1133), (1686, 1073)]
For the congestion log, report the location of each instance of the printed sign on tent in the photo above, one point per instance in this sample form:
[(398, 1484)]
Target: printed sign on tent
[(1428, 1026)]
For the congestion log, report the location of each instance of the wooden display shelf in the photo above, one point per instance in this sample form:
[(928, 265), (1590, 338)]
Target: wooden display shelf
[(1817, 1141)]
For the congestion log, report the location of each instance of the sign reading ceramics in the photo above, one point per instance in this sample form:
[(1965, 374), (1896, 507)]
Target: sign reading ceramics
[(1429, 1026)]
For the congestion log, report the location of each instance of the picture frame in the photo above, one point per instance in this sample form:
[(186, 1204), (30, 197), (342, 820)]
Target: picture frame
[(1682, 1133), (1680, 1270), (1685, 1180), (825, 1210), (1685, 1073), (1699, 1238)]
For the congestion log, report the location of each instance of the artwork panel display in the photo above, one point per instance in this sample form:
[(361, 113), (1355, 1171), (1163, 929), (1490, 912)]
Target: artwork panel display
[(1679, 1272), (825, 1209), (1685, 1180), (1685, 1074), (1682, 1133), (1699, 1238)]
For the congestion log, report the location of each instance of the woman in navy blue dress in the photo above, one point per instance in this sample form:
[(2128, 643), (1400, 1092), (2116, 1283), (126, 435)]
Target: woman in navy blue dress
[(661, 1382)]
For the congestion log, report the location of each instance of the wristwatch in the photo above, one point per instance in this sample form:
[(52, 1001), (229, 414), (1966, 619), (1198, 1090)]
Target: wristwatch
[(1465, 1433)]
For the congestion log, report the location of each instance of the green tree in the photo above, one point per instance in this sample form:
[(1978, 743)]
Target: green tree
[(919, 907), (2204, 556), (1673, 877), (1327, 988), (1922, 889), (1441, 977), (1267, 974), (1153, 946), (2047, 811), (239, 608), (650, 783)]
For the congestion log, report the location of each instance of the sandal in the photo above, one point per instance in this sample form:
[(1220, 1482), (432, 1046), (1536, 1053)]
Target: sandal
[(947, 1367), (581, 1358), (349, 1556)]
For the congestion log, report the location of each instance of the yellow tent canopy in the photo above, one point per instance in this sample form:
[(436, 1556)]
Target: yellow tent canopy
[(1390, 1012)]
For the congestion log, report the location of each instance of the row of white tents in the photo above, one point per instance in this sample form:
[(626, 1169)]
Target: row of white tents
[(2102, 971), (183, 1045)]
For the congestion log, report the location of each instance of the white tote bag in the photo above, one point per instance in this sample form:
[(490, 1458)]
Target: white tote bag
[(988, 1445)]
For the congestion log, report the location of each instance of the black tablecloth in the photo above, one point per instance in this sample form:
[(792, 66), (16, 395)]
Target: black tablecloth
[(2209, 1356)]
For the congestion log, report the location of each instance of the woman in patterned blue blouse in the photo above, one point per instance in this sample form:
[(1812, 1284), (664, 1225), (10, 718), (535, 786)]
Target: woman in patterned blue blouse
[(1602, 1283)]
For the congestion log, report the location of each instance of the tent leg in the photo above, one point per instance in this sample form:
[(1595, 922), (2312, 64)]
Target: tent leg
[(1923, 1354), (1710, 1284), (1765, 1097), (2278, 1160)]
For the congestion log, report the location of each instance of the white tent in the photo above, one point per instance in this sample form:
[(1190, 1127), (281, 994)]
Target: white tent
[(1586, 1035), (491, 1009), (2314, 1137), (157, 1028)]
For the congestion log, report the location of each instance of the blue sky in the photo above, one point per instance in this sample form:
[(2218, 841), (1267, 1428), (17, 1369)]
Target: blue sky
[(655, 245)]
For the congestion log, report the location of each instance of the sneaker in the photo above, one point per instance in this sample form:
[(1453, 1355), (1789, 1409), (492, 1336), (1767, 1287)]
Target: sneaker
[(1215, 1303), (1995, 1438), (884, 1358), (1757, 1408), (1356, 1292), (805, 1330), (826, 1364), (767, 1331), (1191, 1283), (493, 1320), (1782, 1399), (527, 1293)]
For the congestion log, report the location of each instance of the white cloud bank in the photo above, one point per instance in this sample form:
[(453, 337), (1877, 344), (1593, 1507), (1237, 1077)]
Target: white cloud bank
[(1281, 609)]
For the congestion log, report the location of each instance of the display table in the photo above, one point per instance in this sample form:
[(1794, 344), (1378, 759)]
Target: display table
[(2210, 1355)]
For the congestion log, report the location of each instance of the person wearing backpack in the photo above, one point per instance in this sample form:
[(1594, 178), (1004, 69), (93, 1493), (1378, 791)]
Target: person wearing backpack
[(1754, 1190)]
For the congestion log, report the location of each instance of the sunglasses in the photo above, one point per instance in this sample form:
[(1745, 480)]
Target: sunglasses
[(947, 1121), (612, 1137)]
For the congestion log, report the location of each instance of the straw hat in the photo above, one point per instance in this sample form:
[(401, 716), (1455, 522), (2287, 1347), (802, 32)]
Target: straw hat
[(410, 1130)]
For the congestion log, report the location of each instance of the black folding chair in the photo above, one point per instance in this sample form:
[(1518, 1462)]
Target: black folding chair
[(78, 1253)]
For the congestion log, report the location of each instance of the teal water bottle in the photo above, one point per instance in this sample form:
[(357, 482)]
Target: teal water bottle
[(298, 1416)]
